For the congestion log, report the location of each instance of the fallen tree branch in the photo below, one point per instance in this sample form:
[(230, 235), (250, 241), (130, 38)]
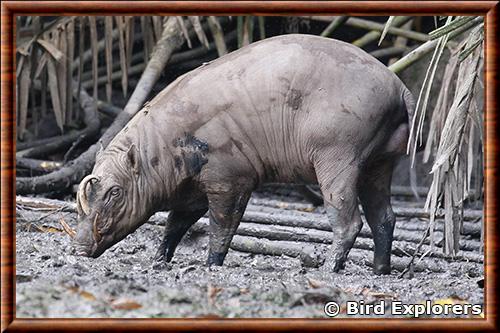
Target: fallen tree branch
[(108, 109), (413, 212), (397, 264), (269, 231), (279, 217), (66, 140), (267, 215), (76, 169), (272, 231), (37, 165), (395, 190), (63, 141), (308, 255), (279, 248)]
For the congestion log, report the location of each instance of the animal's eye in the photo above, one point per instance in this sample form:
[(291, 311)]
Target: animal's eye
[(115, 192)]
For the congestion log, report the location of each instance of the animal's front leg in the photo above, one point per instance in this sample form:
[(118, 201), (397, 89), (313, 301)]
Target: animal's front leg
[(178, 224), (226, 210)]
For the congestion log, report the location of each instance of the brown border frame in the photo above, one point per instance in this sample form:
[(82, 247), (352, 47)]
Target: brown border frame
[(9, 9)]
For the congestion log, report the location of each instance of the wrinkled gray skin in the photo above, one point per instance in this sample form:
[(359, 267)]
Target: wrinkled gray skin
[(294, 108)]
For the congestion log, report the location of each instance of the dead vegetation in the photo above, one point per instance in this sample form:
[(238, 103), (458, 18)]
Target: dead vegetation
[(62, 63)]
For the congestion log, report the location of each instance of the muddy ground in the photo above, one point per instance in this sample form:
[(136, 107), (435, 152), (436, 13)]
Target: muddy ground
[(124, 282)]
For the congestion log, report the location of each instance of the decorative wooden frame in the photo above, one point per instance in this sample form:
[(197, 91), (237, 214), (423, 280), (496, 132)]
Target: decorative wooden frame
[(9, 9)]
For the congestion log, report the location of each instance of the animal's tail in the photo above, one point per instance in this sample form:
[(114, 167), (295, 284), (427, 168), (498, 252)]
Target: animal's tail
[(410, 111), (410, 105), (398, 140)]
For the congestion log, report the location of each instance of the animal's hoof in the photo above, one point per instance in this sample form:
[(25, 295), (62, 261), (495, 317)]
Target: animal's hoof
[(311, 259), (333, 265), (382, 269), (160, 254), (215, 259), (338, 265), (159, 257)]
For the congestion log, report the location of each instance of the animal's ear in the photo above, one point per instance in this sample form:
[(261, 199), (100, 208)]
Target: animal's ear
[(101, 149), (133, 158)]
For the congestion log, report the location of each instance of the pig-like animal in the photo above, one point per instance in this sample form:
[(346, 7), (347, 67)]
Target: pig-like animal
[(294, 108)]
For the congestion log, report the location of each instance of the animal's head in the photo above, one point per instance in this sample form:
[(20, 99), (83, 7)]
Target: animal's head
[(108, 203)]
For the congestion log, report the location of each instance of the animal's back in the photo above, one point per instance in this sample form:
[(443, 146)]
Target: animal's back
[(278, 100)]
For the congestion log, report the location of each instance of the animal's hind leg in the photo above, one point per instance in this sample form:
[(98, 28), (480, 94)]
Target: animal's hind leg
[(340, 196), (375, 196), (178, 224), (226, 207)]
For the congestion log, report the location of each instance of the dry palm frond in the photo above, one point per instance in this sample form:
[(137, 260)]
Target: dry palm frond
[(23, 89), (441, 109), (182, 25), (147, 39), (473, 44), (218, 35), (70, 42), (247, 31), (450, 26), (455, 136), (93, 46), (62, 71), (108, 31), (25, 48), (157, 27), (123, 54), (54, 91), (458, 111), (195, 21), (129, 42), (453, 164), (423, 98), (262, 26), (244, 27), (81, 46), (51, 49)]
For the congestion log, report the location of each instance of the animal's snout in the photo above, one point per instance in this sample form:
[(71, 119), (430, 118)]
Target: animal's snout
[(82, 246), (80, 251)]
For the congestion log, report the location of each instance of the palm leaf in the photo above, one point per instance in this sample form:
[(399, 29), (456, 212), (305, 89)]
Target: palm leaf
[(108, 32), (450, 26), (386, 28), (218, 35), (202, 37)]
